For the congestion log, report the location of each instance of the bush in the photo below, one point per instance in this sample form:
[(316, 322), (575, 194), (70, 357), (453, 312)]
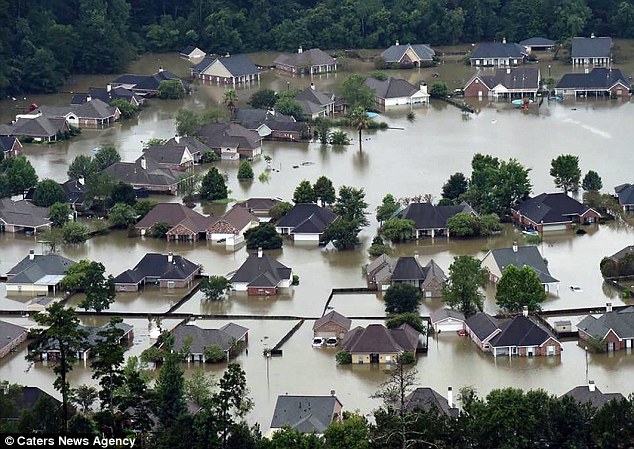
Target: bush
[(533, 239), (413, 319), (343, 358), (214, 354), (74, 233), (407, 358), (152, 354), (159, 230), (439, 89), (295, 279), (263, 236), (171, 89), (245, 171), (378, 249), (209, 157)]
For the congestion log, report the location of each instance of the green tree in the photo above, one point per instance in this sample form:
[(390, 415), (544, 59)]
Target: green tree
[(122, 192), (58, 213), (289, 106), (214, 354), (85, 396), (324, 190), (231, 402), (171, 89), (245, 171), (143, 207), (215, 287), (489, 224), (187, 122), (566, 172), (463, 225), (462, 289), (105, 157), (169, 390), (230, 100), (89, 277), (60, 328), (107, 362), (411, 318), (263, 236), (159, 230), (48, 192), (17, 175), (357, 93), (350, 433), (280, 209), (213, 186), (74, 232), (199, 387), (322, 127), (519, 287), (439, 90), (263, 99), (81, 167), (401, 298), (592, 181), (343, 233), (359, 120), (351, 205), (127, 109), (387, 209), (456, 185), (122, 215), (398, 230), (339, 137), (99, 186), (304, 193)]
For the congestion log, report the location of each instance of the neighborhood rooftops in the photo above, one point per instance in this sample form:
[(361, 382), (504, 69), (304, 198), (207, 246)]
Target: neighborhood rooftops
[(236, 65), (427, 399), (625, 193), (408, 269), (173, 214), (376, 338), (146, 83), (23, 214), (218, 135), (39, 127), (225, 337), (590, 394), (620, 322), (551, 208), (520, 331), (305, 413), (161, 266), (429, 216), (334, 317), (517, 78), (591, 47), (307, 218), (261, 270)]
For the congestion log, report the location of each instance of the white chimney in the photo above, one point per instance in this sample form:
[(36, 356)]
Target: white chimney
[(525, 311), (591, 386), (312, 86), (423, 87), (320, 203), (515, 248), (260, 252), (31, 254), (586, 71), (88, 98), (300, 49), (397, 44), (143, 163), (170, 257), (81, 180), (416, 256), (504, 40), (608, 307), (592, 36), (450, 396), (160, 68), (108, 87), (177, 138), (508, 70)]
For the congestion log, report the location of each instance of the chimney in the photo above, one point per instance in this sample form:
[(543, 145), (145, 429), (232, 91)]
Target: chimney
[(586, 71), (423, 87), (312, 86), (177, 138), (450, 396), (108, 87), (608, 305), (515, 247), (416, 256), (81, 180), (504, 40), (160, 68), (592, 36), (300, 49), (260, 252), (320, 203), (397, 44), (525, 311), (508, 70), (88, 98), (143, 163), (31, 254), (591, 386), (170, 257)]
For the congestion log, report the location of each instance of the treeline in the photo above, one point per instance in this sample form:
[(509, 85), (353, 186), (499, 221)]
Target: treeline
[(47, 40)]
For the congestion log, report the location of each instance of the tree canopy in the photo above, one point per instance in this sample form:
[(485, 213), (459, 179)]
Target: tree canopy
[(401, 298), (462, 290), (566, 172), (518, 288)]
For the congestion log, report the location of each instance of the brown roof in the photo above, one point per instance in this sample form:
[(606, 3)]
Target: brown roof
[(333, 317), (377, 338), (174, 214)]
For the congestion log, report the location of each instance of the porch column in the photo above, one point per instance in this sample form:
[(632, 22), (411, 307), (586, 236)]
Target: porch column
[(433, 233)]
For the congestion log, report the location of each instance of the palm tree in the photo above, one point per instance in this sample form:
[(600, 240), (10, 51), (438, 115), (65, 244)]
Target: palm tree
[(230, 99), (360, 120)]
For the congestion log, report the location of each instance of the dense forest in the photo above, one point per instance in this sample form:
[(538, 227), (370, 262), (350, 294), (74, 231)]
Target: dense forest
[(46, 40)]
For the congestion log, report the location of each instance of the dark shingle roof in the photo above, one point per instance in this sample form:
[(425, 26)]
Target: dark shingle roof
[(521, 331), (254, 267), (429, 216), (377, 338), (134, 173), (499, 50), (23, 213), (147, 82), (621, 322), (537, 42), (333, 317), (511, 78), (187, 50), (625, 192), (551, 208), (7, 142), (306, 58), (597, 78), (237, 65), (391, 87), (254, 118), (259, 204), (235, 219), (305, 413), (482, 325), (623, 252), (427, 399), (8, 333), (107, 96), (307, 218), (30, 271), (395, 52), (314, 96), (218, 135), (38, 127), (201, 338), (173, 214), (157, 265), (591, 47), (74, 191), (524, 256), (408, 269), (163, 154), (596, 398), (444, 313)]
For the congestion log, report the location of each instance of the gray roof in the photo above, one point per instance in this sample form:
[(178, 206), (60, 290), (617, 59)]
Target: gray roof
[(524, 256), (596, 398), (259, 204), (93, 109), (623, 252), (511, 78), (261, 271), (620, 322), (625, 192), (307, 58), (7, 143), (333, 317), (482, 325), (408, 269), (8, 333), (29, 271), (235, 219), (591, 47), (254, 118), (597, 78), (444, 313), (305, 413), (538, 42), (147, 83), (521, 331), (107, 96), (376, 338), (428, 399), (237, 65), (498, 50), (395, 52), (134, 173), (307, 218), (381, 268), (218, 135), (312, 95), (39, 127), (157, 265), (163, 154), (23, 213), (429, 216), (174, 214), (551, 208), (391, 87), (224, 338)]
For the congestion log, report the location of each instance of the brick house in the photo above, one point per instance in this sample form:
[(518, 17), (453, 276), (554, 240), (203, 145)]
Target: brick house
[(429, 278), (409, 55), (304, 62), (12, 336), (498, 54), (332, 325), (552, 212), (261, 275), (377, 344), (599, 82), (517, 82), (10, 146), (185, 223), (379, 272), (615, 328), (230, 338), (166, 270)]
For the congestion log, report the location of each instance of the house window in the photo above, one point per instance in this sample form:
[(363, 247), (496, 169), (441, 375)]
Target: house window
[(550, 350), (170, 284), (514, 350)]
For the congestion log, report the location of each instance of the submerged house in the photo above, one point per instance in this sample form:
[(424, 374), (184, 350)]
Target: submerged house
[(11, 336), (146, 173), (230, 69), (261, 275), (431, 220), (498, 54), (17, 216), (306, 414), (516, 82), (146, 84), (599, 82), (397, 92), (552, 212), (379, 272), (166, 270), (614, 329), (312, 62), (230, 338), (409, 55), (185, 224), (625, 196), (231, 141), (91, 113), (332, 325), (592, 51), (306, 222), (378, 344), (38, 273), (429, 278)]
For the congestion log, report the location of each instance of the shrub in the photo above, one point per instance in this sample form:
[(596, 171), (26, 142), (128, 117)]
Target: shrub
[(209, 157), (152, 354), (343, 358), (407, 358), (214, 354), (74, 233), (159, 230), (295, 279), (245, 171)]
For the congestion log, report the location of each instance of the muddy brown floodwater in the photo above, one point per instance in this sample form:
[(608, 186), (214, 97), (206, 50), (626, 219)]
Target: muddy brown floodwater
[(413, 158)]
